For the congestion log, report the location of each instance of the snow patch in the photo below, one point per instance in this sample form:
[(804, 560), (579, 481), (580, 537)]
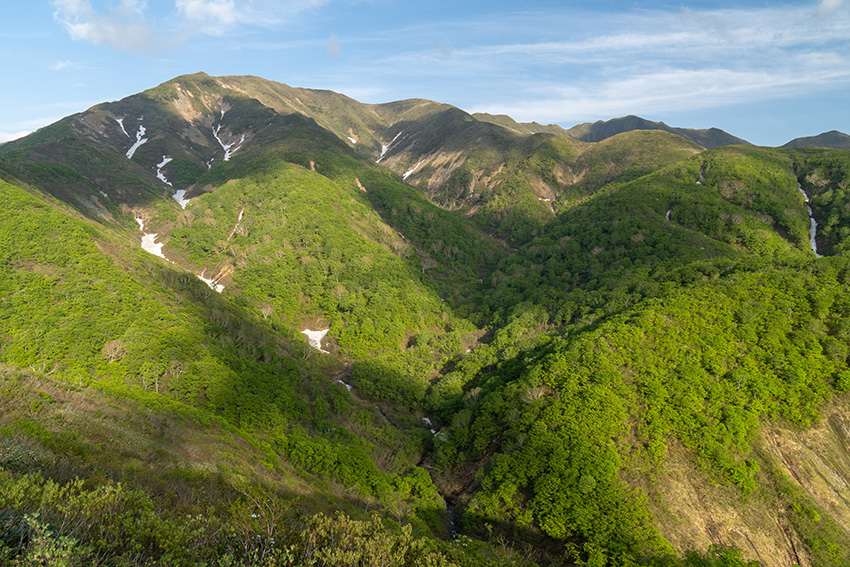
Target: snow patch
[(352, 140), (232, 232), (214, 285), (140, 139), (159, 174), (226, 147), (120, 122), (150, 245), (315, 339), (667, 216), (180, 197), (387, 147), (410, 172), (347, 386)]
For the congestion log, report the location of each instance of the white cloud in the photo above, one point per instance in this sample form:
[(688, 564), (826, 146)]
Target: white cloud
[(219, 12), (122, 28), (7, 137), (59, 65)]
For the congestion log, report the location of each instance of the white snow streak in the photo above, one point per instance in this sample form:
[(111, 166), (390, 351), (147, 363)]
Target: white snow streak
[(667, 216), (352, 140), (387, 147), (179, 195), (226, 147), (410, 172), (120, 122), (232, 232), (160, 174), (140, 139), (315, 339)]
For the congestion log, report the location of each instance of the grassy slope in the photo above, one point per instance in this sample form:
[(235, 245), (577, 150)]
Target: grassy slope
[(169, 342)]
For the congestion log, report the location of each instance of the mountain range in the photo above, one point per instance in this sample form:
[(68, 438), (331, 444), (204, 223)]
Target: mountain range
[(248, 324)]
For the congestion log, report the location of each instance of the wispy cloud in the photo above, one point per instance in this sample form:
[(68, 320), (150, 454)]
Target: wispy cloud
[(218, 12), (333, 46), (637, 62), (829, 6), (59, 65), (675, 90), (127, 25)]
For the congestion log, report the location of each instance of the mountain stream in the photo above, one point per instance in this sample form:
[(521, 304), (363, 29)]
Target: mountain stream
[(813, 224)]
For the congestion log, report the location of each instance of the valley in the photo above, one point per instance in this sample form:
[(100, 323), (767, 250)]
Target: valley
[(243, 323)]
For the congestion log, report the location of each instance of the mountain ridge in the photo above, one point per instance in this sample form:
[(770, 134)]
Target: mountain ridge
[(599, 130), (832, 139)]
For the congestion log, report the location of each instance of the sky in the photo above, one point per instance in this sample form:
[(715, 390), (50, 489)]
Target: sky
[(767, 72)]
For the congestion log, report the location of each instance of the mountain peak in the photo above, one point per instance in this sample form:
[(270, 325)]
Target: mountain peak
[(832, 139), (602, 129)]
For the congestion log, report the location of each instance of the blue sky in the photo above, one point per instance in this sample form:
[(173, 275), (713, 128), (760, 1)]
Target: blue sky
[(764, 71)]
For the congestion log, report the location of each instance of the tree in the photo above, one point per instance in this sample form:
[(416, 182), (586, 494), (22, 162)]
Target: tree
[(114, 350)]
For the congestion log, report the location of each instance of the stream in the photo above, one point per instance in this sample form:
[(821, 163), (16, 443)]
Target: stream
[(813, 224)]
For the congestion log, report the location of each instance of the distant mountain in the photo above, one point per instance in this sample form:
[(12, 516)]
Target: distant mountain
[(832, 139), (598, 131), (506, 121)]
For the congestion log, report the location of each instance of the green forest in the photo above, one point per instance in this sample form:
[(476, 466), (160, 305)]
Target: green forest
[(534, 354)]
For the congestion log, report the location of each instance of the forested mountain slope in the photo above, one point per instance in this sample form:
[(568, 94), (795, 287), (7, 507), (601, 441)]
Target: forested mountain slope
[(537, 350)]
